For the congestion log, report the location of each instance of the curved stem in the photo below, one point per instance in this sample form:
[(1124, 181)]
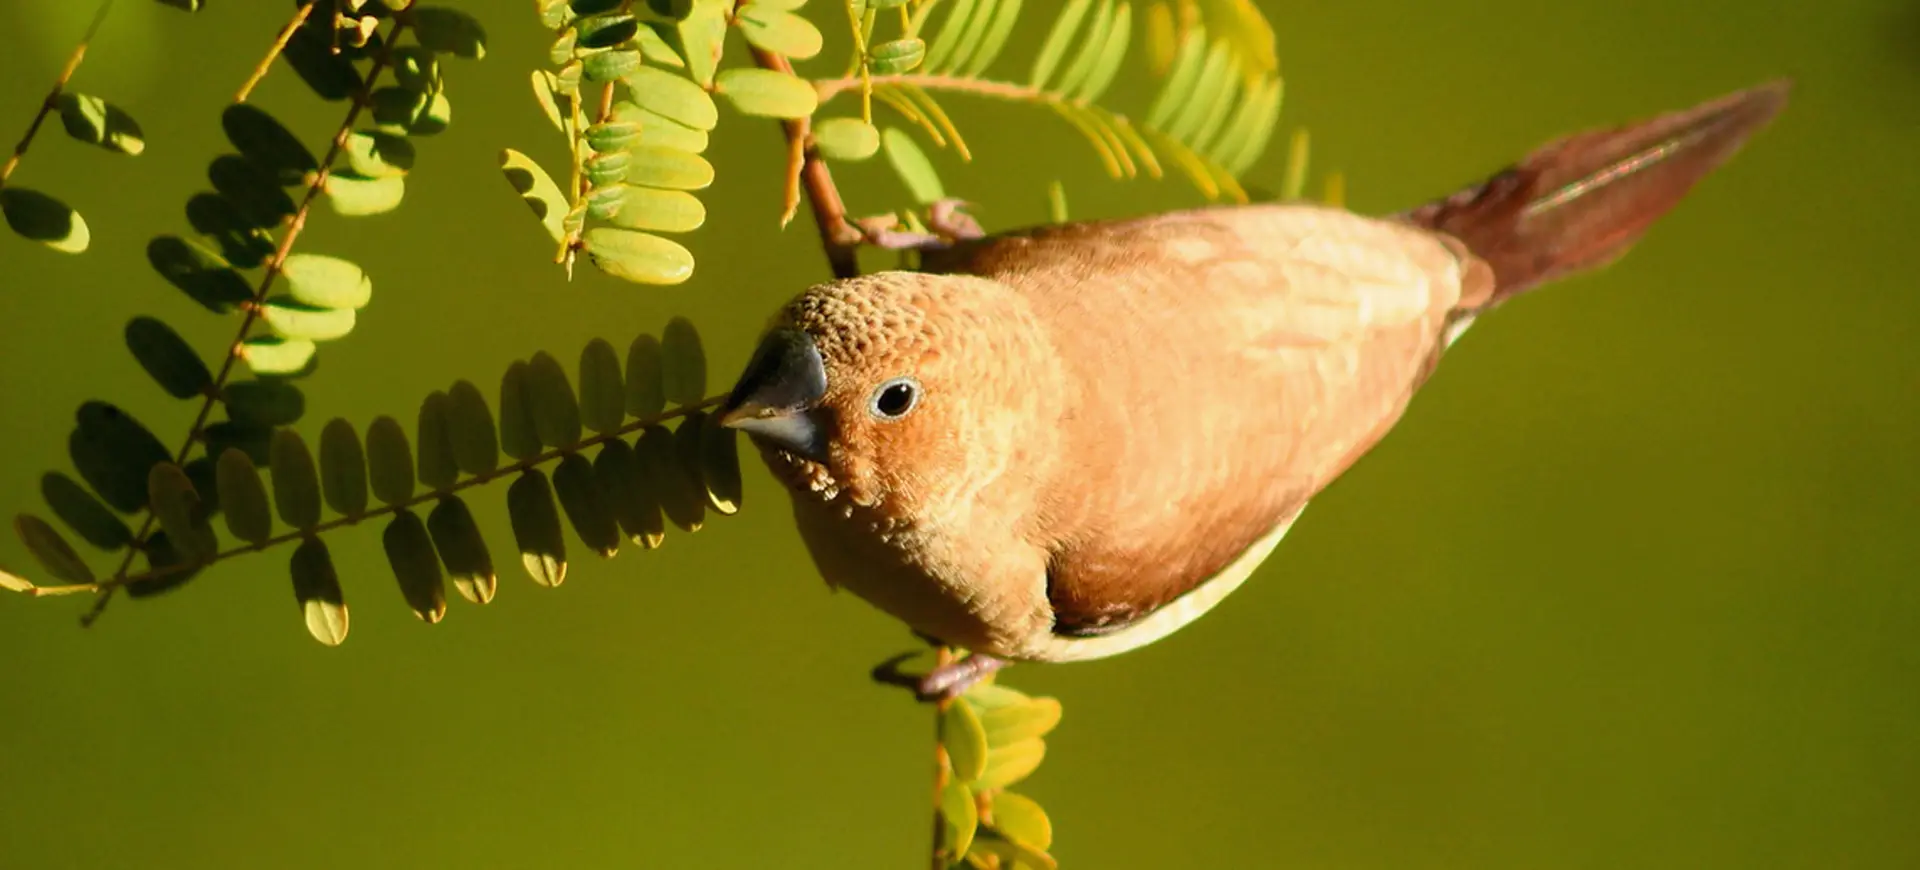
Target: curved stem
[(279, 45), (415, 501), (53, 96), (252, 310), (838, 238)]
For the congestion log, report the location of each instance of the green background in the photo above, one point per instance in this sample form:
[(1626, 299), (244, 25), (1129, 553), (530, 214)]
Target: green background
[(1632, 584)]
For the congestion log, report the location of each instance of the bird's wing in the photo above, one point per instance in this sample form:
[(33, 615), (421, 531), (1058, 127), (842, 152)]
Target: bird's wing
[(1230, 362)]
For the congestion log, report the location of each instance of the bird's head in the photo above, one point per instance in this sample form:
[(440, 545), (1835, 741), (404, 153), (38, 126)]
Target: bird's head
[(900, 389)]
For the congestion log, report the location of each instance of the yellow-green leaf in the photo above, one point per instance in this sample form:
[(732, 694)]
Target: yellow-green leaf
[(374, 154), (912, 165), (317, 588), (274, 355), (959, 819), (779, 31), (264, 403), (767, 93), (296, 485), (355, 195), (965, 741), (536, 528), (659, 130), (41, 218), (897, 56), (1058, 41), (673, 96), (51, 550), (1012, 723), (343, 469), (667, 168), (326, 282), (450, 31), (1020, 818), (850, 139), (642, 258), (292, 318), (1011, 763), (610, 66), (410, 552), (389, 460), (537, 189), (663, 211), (613, 135), (243, 497)]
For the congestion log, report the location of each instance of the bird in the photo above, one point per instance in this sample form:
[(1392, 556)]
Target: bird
[(1065, 442)]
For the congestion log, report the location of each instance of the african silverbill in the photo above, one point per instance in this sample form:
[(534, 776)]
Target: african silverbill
[(1067, 442)]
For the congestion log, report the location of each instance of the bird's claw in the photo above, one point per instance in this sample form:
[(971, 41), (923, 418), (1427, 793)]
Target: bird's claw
[(944, 683), (945, 218)]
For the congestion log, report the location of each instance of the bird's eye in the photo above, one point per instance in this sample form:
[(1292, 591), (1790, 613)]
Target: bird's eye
[(894, 399)]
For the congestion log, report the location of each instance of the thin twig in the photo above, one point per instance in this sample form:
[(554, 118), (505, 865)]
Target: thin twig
[(830, 88), (52, 102), (837, 237), (942, 656), (422, 498), (299, 222), (273, 51)]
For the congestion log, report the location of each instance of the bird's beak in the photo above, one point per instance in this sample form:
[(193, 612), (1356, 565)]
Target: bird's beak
[(777, 400)]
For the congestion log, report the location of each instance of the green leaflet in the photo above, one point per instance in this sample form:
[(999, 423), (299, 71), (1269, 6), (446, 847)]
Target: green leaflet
[(51, 550), (268, 144), (180, 511), (410, 553), (357, 196), (83, 513), (343, 469), (586, 505), (41, 218), (646, 386), (1059, 38), (97, 122), (965, 741), (603, 393), (912, 165), (536, 528), (389, 461), (849, 139), (476, 446), (642, 258), (317, 588), (673, 96), (434, 460), (556, 414), (767, 93), (243, 498), (112, 452), (683, 363), (167, 358), (450, 31), (537, 189), (296, 484), (326, 282), (463, 552)]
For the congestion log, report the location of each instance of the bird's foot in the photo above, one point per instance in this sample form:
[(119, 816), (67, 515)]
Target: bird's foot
[(948, 222), (943, 683)]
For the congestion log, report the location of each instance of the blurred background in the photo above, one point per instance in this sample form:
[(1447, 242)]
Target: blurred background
[(1633, 584)]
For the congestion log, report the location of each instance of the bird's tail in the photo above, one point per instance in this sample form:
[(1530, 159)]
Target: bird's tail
[(1580, 202)]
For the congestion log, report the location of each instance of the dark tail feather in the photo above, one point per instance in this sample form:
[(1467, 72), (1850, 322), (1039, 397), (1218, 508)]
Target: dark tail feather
[(1582, 201)]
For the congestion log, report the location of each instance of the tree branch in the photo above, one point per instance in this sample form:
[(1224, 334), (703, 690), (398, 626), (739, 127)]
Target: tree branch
[(838, 238), (53, 97)]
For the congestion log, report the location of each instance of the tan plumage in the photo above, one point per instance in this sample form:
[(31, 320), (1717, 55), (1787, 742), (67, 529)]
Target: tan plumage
[(1116, 421)]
